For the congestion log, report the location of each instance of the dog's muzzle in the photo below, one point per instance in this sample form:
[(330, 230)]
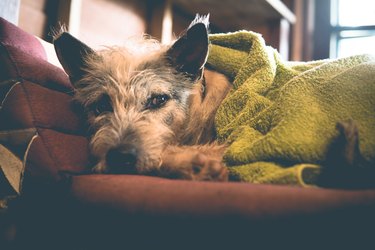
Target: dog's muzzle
[(122, 159)]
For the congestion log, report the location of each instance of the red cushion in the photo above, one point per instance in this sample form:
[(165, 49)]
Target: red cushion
[(38, 95), (12, 36)]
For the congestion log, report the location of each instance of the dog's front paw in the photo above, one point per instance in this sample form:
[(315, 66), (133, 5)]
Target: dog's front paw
[(99, 169), (193, 165), (206, 169)]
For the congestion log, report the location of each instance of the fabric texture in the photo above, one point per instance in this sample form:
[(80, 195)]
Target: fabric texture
[(280, 117), (36, 95)]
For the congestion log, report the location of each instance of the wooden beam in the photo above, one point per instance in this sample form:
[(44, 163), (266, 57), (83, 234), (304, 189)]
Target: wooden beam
[(322, 30), (160, 20), (284, 38), (69, 14), (283, 10), (297, 38), (167, 25)]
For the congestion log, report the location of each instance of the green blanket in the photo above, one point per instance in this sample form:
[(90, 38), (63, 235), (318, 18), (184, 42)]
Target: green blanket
[(280, 117)]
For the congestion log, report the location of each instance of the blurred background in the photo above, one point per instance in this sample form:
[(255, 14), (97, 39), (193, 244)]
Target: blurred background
[(299, 29)]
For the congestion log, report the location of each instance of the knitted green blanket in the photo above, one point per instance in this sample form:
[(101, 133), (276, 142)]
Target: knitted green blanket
[(280, 117)]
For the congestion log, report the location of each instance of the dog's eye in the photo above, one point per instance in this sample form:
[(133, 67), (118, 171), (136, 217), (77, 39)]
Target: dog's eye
[(103, 105), (157, 101)]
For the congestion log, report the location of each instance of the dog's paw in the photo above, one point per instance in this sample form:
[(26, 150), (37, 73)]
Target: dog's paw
[(206, 169), (193, 165), (98, 169)]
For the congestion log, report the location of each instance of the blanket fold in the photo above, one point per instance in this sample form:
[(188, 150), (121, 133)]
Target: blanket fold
[(280, 117)]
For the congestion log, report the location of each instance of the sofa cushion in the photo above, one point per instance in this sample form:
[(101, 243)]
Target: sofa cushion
[(37, 94)]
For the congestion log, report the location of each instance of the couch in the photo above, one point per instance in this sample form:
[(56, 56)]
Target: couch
[(58, 204)]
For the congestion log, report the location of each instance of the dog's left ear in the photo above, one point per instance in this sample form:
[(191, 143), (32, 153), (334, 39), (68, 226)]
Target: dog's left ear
[(72, 54), (189, 53)]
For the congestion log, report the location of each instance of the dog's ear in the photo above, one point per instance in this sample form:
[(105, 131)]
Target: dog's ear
[(72, 54), (189, 53)]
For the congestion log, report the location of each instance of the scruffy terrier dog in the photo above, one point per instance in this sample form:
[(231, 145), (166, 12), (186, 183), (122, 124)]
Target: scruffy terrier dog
[(151, 111)]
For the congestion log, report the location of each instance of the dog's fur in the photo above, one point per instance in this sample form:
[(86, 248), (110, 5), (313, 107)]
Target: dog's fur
[(151, 110)]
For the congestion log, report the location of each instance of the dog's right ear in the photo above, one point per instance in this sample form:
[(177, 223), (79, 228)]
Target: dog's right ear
[(72, 54), (189, 53)]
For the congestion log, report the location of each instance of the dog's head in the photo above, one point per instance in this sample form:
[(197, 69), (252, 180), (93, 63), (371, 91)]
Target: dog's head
[(136, 102)]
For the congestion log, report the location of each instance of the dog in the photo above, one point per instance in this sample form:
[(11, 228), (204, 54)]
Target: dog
[(150, 111)]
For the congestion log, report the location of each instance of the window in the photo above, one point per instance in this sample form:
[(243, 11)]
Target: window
[(353, 27)]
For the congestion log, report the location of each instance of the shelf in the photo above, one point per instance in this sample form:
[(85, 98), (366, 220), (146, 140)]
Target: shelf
[(229, 15)]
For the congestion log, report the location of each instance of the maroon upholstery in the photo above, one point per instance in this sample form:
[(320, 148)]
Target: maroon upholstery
[(41, 100), (57, 211)]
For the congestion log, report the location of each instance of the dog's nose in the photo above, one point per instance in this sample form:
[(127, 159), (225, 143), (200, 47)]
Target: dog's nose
[(122, 159)]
